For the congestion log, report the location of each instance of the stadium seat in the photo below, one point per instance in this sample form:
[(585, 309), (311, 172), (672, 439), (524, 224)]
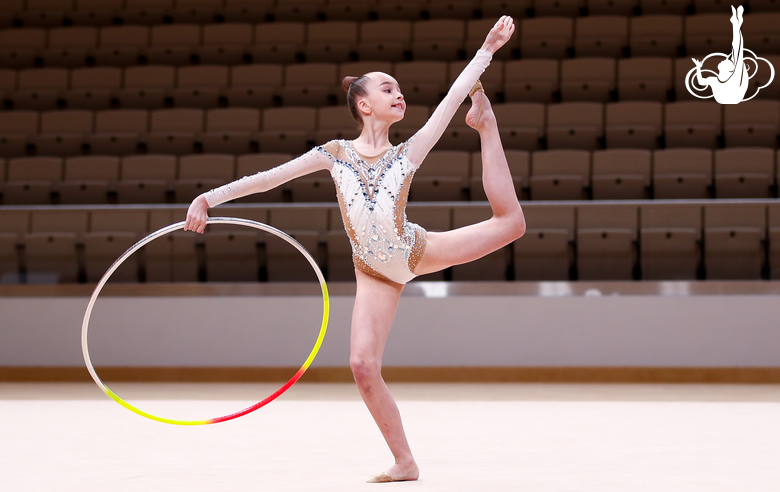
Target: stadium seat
[(531, 80), (335, 123), (612, 7), (102, 248), (422, 82), (438, 39), (19, 47), (16, 131), (670, 239), (587, 79), (200, 173), (195, 11), (546, 37), (398, 9), (453, 9), (173, 131), (186, 264), (200, 86), (285, 263), (734, 236), (332, 41), (146, 86), (232, 255), (545, 252), (493, 266), (231, 130), (561, 8), (88, 179), (340, 265), (288, 129), (146, 178), (744, 173), (247, 10), (346, 10), (63, 132), (121, 45), (145, 12), (253, 85), (607, 242), (50, 257), (278, 42), (774, 241), (45, 13), (302, 10), (94, 12), (225, 44), (9, 258), (69, 46), (385, 40), (118, 131), (634, 124), (443, 176), (497, 8), (760, 32), (519, 162), (644, 78), (31, 180), (692, 124), (415, 117), (655, 35), (458, 135), (173, 44), (39, 88), (315, 187), (708, 33), (575, 125), (247, 165), (521, 124), (309, 84), (621, 174), (664, 6), (492, 78), (601, 35), (93, 88), (682, 173), (560, 174), (753, 123)]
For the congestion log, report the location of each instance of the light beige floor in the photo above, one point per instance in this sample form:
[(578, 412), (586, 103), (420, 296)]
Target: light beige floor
[(498, 437)]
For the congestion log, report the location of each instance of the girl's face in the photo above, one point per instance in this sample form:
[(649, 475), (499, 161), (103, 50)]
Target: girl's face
[(384, 100)]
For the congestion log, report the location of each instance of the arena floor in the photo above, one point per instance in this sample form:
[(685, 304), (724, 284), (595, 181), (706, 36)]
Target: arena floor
[(320, 437)]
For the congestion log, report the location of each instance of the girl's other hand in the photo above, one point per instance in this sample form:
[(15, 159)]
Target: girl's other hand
[(196, 215), (499, 34)]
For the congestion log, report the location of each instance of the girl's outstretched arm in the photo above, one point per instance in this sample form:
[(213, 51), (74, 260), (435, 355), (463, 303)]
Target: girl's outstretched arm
[(423, 141)]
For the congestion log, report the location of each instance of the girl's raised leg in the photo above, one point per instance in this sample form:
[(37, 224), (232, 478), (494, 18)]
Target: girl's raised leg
[(474, 241), (376, 302)]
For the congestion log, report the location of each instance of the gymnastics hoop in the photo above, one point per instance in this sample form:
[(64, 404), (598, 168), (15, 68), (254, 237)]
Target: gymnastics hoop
[(175, 227)]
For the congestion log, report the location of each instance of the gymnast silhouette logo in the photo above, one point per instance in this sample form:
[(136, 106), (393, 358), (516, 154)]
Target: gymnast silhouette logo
[(730, 84)]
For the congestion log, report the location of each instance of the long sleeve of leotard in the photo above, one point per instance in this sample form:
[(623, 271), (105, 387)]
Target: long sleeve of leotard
[(423, 141), (311, 161)]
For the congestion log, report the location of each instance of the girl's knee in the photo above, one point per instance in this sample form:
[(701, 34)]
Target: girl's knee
[(364, 368)]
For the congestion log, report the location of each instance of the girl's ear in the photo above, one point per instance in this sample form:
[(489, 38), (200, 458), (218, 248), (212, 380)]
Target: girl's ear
[(364, 107)]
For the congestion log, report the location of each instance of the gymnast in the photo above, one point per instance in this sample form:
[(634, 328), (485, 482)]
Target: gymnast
[(372, 179)]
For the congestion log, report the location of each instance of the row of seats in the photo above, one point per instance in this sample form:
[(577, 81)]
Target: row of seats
[(340, 41), (101, 12), (319, 84), (444, 176), (527, 126), (651, 241)]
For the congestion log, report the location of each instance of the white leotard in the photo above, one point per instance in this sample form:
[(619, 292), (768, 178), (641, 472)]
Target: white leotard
[(371, 192)]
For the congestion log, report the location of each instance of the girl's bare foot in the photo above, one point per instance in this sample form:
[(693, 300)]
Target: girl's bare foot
[(397, 473), (480, 112)]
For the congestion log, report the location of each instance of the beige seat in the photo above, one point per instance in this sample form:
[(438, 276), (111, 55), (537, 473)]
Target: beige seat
[(398, 9), (121, 45), (95, 12), (187, 262), (458, 135), (299, 10), (493, 266), (644, 78), (346, 10), (744, 173), (315, 187), (195, 11), (331, 41), (50, 257), (225, 44), (546, 250), (16, 131), (56, 219), (587, 79), (145, 12), (102, 248), (774, 241), (753, 123), (414, 118), (664, 6), (560, 174), (575, 125), (288, 129), (707, 33), (492, 78), (682, 66), (39, 88), (497, 8), (231, 130), (422, 82), (453, 9), (200, 86), (146, 86), (278, 42), (607, 242), (521, 124), (761, 80), (335, 122), (247, 10), (7, 82), (655, 34), (601, 35), (531, 80), (562, 8), (734, 236), (682, 173), (340, 265), (693, 124), (254, 85), (546, 37), (621, 174), (88, 179), (670, 241), (20, 47), (9, 261), (443, 176), (118, 131), (310, 84), (63, 132), (247, 165), (93, 88), (634, 124), (31, 180), (69, 46), (285, 263), (232, 255), (173, 44), (761, 31), (385, 40), (146, 178), (173, 131), (201, 172), (438, 39), (519, 162), (300, 219)]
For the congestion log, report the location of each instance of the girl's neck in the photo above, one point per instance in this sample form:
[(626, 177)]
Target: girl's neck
[(374, 138)]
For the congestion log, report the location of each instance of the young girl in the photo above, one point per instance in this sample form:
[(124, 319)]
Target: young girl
[(372, 180)]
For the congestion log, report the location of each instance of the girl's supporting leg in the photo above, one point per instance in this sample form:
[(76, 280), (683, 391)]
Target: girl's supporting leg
[(376, 302), (474, 241)]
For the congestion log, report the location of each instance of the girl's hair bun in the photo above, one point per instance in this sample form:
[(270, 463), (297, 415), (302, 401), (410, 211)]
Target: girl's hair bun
[(347, 81)]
